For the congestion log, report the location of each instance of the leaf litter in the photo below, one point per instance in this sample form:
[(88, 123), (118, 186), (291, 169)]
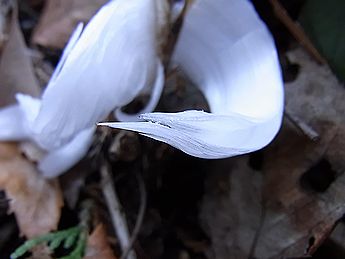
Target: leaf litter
[(283, 201), (35, 201), (59, 19), (98, 246)]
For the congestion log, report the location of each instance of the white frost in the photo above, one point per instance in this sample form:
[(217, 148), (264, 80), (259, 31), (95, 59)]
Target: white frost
[(227, 51)]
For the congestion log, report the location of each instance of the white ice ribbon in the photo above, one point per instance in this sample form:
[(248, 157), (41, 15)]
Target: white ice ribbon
[(114, 59), (103, 67), (224, 48), (227, 51)]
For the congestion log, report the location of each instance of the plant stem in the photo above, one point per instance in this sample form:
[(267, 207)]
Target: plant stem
[(117, 217)]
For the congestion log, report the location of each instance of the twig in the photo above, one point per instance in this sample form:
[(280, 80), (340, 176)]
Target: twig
[(173, 35), (85, 214), (302, 126), (296, 30), (259, 230), (141, 214), (117, 217)]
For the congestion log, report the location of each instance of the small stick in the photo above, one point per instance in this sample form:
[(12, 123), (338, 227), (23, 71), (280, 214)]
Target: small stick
[(296, 30), (117, 217), (302, 126), (140, 217), (173, 35)]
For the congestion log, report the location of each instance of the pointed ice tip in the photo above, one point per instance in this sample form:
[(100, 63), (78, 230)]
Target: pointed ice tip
[(227, 51), (117, 52)]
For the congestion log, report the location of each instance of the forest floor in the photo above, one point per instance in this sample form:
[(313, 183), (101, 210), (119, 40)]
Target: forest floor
[(285, 201)]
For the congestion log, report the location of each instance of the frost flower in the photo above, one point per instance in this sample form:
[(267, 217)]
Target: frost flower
[(106, 67), (223, 47), (103, 67), (227, 51)]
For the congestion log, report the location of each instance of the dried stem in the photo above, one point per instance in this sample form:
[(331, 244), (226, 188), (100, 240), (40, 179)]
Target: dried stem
[(302, 126), (296, 30), (140, 217), (173, 35), (117, 217)]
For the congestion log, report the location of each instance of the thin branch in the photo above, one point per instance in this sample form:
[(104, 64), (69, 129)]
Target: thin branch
[(141, 214), (296, 30), (117, 217), (174, 32), (302, 126)]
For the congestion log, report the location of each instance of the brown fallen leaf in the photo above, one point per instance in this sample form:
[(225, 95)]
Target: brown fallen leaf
[(98, 246), (290, 206), (231, 211), (40, 252), (60, 18), (4, 11), (304, 185), (35, 201), (16, 70)]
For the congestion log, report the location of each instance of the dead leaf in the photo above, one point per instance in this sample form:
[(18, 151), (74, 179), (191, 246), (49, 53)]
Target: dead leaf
[(289, 208), (338, 239), (60, 18), (35, 201), (231, 209), (4, 10), (16, 70), (40, 252), (304, 183), (97, 245)]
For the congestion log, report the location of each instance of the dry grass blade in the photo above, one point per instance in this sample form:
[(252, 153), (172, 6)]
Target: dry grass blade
[(117, 217)]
